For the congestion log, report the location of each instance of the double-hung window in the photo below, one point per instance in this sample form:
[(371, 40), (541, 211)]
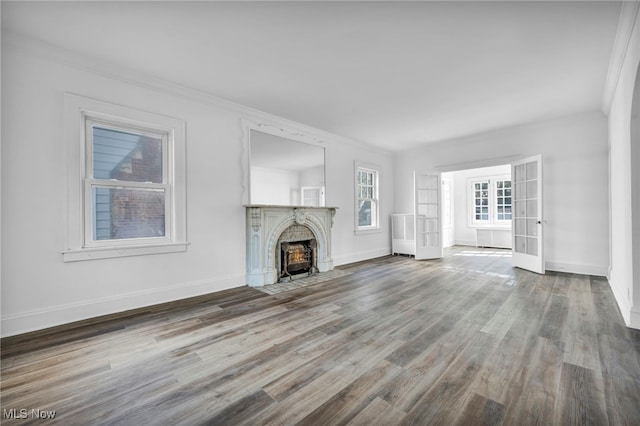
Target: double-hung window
[(127, 185), (126, 181), (491, 201), (366, 208)]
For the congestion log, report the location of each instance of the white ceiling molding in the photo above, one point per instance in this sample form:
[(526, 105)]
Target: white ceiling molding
[(626, 24), (93, 65)]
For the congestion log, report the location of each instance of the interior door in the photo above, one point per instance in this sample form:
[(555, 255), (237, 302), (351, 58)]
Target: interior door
[(527, 220), (427, 215)]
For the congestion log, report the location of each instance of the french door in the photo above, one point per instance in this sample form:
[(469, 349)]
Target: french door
[(427, 215), (527, 220)]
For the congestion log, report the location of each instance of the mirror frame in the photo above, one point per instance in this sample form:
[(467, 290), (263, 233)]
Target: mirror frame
[(285, 132)]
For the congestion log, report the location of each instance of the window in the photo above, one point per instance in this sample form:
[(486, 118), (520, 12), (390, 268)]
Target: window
[(366, 216), (491, 201), (481, 202), (503, 200), (312, 196), (127, 184), (126, 181)]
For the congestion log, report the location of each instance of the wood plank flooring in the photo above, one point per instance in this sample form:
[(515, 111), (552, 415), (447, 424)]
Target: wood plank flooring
[(465, 340)]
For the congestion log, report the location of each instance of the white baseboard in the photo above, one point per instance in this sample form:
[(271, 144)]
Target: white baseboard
[(469, 243), (634, 321), (38, 319), (360, 256), (623, 302), (576, 268)]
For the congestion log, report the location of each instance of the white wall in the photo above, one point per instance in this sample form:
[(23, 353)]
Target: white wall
[(621, 276), (39, 290), (275, 186), (312, 177), (575, 198)]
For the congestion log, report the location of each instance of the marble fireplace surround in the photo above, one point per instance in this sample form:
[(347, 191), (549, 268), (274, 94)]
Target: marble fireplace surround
[(265, 225)]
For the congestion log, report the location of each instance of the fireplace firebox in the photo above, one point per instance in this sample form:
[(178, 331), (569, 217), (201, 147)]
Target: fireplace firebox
[(297, 257)]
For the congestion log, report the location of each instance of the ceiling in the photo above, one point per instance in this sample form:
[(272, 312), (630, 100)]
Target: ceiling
[(391, 74)]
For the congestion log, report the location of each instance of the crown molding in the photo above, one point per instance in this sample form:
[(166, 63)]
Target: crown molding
[(626, 23), (56, 54)]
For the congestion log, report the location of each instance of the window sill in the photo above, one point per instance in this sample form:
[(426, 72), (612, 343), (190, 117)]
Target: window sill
[(367, 231), (122, 251), (493, 227)]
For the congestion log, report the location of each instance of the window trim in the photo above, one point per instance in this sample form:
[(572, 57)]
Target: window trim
[(493, 221), (79, 113), (375, 227)]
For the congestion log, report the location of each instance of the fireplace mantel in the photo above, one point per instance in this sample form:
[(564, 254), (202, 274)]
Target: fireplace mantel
[(265, 224)]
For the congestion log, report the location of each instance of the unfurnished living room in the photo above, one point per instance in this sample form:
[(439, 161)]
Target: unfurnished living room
[(320, 213)]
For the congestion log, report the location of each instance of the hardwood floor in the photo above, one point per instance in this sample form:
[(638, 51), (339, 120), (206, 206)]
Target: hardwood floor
[(463, 340)]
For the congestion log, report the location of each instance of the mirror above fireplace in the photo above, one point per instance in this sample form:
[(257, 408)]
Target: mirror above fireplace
[(284, 171)]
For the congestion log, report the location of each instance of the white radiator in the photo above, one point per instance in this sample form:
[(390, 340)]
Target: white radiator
[(498, 238), (402, 234)]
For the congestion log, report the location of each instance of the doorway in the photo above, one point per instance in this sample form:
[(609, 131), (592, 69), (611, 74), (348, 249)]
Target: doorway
[(477, 207), (502, 206)]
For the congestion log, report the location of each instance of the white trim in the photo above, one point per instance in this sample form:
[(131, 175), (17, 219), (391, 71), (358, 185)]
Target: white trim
[(492, 222), (577, 268), (360, 256), (91, 253), (626, 24), (38, 319), (634, 320), (77, 109), (622, 301), (305, 135), (464, 243), (377, 227)]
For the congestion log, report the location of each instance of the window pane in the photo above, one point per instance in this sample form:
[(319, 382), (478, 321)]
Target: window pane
[(532, 189), (519, 173), (126, 156), (499, 184), (532, 170), (364, 213), (128, 213)]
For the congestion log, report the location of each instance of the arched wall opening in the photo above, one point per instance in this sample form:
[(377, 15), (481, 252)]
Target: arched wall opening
[(635, 190)]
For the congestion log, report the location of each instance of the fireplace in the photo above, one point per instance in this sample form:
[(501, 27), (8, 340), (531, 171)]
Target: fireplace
[(297, 257), (269, 228)]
